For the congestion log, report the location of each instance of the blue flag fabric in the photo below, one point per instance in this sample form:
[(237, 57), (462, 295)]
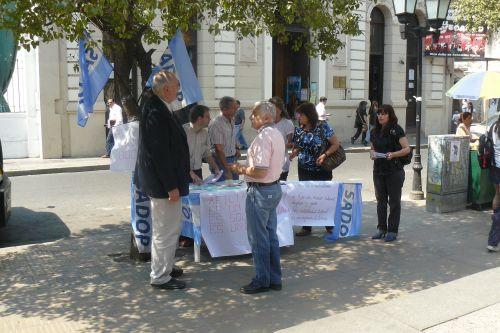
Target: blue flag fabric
[(94, 73), (176, 59)]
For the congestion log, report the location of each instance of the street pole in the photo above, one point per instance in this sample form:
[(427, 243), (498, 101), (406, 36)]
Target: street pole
[(416, 192)]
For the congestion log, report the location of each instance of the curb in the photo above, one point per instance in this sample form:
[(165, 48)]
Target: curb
[(46, 171), (85, 168)]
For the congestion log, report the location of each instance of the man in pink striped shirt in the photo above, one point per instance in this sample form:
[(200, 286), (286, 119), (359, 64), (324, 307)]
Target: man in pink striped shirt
[(262, 171)]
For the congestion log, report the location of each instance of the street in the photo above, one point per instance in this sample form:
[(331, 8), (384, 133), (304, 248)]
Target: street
[(53, 206)]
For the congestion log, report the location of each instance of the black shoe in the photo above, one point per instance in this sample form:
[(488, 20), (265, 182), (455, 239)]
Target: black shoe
[(365, 143), (276, 286), (253, 289), (170, 285), (176, 272), (352, 140), (379, 235), (391, 237)]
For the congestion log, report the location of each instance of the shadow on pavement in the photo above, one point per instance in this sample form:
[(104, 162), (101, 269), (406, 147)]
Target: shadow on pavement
[(26, 226), (76, 279)]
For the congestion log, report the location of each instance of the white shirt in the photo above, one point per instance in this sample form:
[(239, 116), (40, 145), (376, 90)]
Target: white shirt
[(115, 113), (496, 144), (320, 109), (285, 126)]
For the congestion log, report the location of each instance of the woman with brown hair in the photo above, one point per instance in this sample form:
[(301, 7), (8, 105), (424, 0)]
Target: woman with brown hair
[(388, 145), (308, 142), (463, 128)]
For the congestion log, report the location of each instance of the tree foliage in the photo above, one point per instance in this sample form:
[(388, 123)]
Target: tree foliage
[(128, 24), (478, 13)]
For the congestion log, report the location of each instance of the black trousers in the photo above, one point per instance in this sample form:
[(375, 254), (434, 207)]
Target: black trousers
[(494, 236), (359, 130), (388, 191), (314, 175)]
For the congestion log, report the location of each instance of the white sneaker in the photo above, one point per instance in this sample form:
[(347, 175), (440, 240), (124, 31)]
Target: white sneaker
[(492, 248)]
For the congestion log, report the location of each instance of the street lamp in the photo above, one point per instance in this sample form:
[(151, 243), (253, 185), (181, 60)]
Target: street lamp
[(436, 14)]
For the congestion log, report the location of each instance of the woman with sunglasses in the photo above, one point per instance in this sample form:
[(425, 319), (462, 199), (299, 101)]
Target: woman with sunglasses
[(388, 144)]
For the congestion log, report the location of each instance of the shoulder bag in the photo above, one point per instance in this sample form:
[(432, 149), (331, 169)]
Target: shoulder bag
[(337, 158)]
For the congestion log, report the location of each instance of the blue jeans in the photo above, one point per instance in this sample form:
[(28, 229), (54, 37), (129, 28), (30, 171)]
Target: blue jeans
[(262, 222), (240, 139), (110, 142)]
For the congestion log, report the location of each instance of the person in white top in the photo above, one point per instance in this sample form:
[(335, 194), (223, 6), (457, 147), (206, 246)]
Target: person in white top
[(320, 109), (286, 127), (262, 171), (115, 118), (494, 235)]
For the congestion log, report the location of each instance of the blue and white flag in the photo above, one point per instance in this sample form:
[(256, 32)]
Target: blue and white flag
[(94, 73), (176, 59)]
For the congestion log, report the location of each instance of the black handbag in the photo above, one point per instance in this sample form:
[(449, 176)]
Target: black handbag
[(333, 161)]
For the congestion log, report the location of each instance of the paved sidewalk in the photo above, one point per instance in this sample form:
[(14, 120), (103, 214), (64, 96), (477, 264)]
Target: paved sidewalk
[(38, 166), (438, 270)]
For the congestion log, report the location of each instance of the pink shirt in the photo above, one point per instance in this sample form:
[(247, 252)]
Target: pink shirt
[(266, 151)]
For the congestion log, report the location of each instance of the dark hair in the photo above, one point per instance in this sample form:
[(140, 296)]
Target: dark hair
[(279, 104), (322, 99), (130, 107), (464, 116), (392, 117), (238, 102), (309, 110), (225, 102), (469, 104), (196, 112), (361, 107)]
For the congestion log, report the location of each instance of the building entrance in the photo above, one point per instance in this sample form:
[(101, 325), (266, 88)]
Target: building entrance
[(291, 73), (376, 75)]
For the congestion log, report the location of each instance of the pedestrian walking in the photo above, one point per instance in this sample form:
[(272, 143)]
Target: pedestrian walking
[(388, 145), (115, 118), (223, 137), (163, 172), (239, 124), (262, 171), (321, 110), (308, 141), (494, 235), (286, 128), (360, 123)]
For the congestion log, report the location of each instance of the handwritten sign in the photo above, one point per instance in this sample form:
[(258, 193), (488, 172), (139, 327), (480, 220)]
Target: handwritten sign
[(124, 152), (310, 203)]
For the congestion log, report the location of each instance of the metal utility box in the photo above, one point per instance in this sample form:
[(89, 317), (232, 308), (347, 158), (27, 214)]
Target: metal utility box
[(447, 173)]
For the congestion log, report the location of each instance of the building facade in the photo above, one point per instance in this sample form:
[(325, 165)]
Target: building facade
[(378, 64)]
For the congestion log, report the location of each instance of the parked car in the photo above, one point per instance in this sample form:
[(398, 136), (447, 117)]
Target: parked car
[(482, 127), (4, 193)]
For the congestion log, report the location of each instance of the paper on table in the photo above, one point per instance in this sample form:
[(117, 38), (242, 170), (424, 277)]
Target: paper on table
[(379, 155), (213, 178)]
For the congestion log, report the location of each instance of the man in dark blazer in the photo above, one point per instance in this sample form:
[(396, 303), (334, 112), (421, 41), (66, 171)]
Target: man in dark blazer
[(163, 172)]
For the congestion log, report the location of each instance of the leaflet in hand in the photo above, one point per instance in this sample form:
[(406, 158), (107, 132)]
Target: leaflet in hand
[(213, 178), (379, 155)]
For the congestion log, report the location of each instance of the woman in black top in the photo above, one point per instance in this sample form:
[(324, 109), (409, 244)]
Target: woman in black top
[(388, 144), (360, 123)]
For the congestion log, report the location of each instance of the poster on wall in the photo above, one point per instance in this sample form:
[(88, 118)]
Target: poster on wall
[(293, 89), (456, 41)]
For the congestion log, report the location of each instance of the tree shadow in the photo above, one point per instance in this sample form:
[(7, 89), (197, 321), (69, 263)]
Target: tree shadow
[(75, 280), (26, 226)]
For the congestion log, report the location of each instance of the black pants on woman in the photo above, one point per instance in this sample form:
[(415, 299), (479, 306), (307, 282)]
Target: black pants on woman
[(314, 175), (388, 191), (359, 130)]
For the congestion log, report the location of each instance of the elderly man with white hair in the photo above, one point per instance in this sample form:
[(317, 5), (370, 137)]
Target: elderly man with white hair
[(262, 172), (162, 173)]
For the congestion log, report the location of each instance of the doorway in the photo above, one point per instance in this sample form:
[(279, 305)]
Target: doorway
[(376, 67), (291, 72)]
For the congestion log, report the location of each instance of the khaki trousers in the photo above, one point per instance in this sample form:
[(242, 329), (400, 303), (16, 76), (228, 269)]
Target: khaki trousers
[(166, 229)]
